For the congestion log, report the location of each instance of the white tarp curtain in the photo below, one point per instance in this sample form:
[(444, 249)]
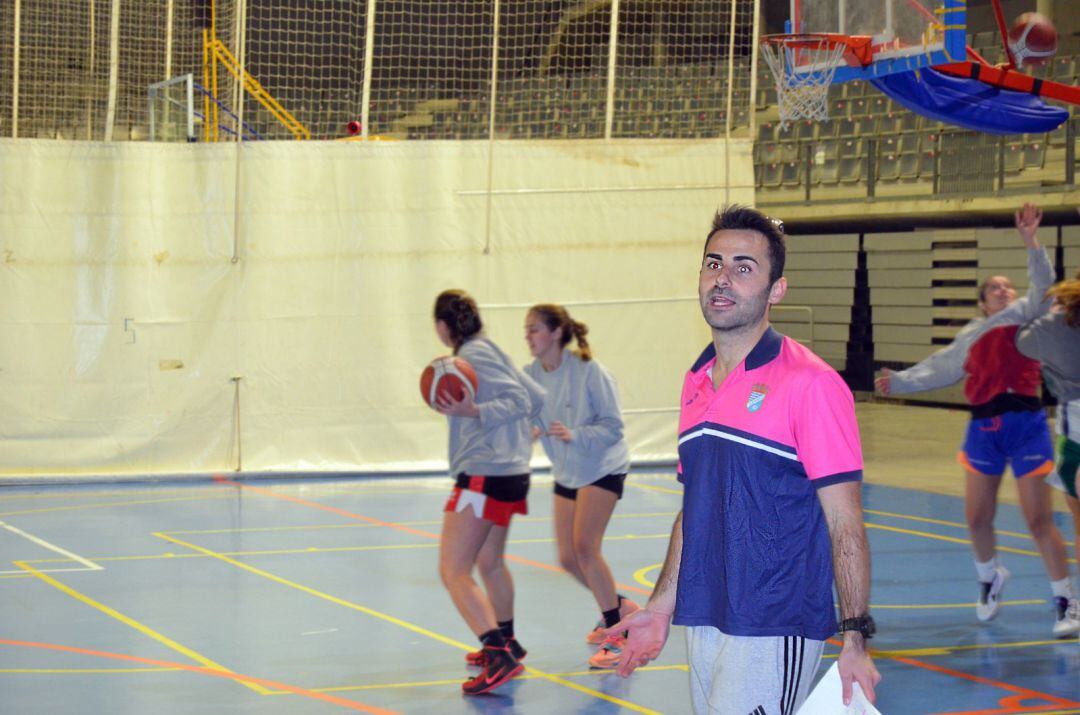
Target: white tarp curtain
[(125, 321)]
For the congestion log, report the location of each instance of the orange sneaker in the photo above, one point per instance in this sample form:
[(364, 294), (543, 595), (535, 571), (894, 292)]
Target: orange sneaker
[(596, 635), (609, 653)]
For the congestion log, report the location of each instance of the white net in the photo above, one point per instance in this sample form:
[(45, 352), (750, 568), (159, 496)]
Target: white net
[(803, 69), (298, 69)]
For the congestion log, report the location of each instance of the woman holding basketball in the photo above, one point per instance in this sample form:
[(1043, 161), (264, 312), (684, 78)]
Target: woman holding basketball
[(490, 450), (589, 458)]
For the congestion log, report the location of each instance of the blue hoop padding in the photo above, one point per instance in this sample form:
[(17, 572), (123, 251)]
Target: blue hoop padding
[(970, 103)]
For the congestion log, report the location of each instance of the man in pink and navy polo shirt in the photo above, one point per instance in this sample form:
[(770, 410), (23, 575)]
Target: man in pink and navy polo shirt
[(771, 464)]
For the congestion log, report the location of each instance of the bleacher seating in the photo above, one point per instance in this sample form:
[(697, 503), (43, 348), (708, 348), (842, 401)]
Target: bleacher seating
[(906, 146)]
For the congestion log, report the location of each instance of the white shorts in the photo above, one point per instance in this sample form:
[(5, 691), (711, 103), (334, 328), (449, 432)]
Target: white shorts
[(745, 675)]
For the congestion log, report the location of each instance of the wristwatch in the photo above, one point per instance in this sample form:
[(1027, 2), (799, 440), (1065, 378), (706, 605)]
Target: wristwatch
[(863, 624)]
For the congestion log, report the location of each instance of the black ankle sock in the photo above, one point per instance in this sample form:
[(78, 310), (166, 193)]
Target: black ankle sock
[(621, 599), (507, 628), (493, 638), (611, 617)]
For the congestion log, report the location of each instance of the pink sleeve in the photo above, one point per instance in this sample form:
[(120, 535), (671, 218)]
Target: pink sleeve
[(682, 423), (826, 433)]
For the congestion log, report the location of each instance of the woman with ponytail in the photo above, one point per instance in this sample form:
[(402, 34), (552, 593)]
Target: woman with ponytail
[(1054, 340), (490, 450), (589, 458)]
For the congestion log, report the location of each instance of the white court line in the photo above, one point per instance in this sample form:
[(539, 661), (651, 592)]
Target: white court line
[(89, 565)]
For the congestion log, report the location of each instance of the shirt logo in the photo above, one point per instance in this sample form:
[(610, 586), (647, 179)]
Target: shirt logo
[(757, 397)]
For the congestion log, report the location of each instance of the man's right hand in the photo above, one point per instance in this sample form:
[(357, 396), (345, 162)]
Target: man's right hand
[(883, 383), (647, 632), (1027, 223)]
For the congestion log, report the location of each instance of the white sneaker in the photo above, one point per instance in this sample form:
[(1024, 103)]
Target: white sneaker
[(1068, 617), (990, 597)]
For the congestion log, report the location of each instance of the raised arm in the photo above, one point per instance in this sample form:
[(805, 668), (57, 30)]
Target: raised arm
[(842, 505), (1040, 270)]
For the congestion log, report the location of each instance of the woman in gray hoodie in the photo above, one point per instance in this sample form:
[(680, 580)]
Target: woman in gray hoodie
[(490, 450), (1054, 340), (589, 458)]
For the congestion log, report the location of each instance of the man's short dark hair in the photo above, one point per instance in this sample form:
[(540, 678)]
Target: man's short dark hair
[(744, 218)]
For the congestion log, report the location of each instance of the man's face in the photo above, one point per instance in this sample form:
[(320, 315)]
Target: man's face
[(997, 295), (733, 284)]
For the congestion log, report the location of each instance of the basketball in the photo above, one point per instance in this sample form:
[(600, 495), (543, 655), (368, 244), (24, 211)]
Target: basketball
[(447, 376), (1033, 39)]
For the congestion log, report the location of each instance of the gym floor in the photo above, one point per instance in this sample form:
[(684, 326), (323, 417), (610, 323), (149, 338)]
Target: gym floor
[(315, 595)]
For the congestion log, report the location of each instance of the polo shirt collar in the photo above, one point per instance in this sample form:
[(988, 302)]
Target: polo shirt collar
[(766, 350)]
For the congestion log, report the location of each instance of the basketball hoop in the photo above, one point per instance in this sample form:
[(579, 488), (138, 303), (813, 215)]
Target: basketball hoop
[(803, 66)]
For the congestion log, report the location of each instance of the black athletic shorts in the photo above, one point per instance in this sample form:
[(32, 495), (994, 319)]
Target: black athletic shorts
[(612, 482)]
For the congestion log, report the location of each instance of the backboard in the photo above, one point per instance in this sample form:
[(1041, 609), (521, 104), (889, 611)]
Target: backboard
[(907, 34)]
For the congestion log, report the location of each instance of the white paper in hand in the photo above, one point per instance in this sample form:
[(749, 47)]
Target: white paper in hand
[(827, 698)]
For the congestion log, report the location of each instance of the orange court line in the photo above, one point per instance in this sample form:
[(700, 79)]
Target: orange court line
[(219, 479), (1011, 704), (350, 704)]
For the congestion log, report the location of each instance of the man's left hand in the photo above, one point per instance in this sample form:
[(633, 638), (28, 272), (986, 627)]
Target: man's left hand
[(856, 666)]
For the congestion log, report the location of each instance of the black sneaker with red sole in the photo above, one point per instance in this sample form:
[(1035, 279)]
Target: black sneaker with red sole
[(476, 658), (500, 666)]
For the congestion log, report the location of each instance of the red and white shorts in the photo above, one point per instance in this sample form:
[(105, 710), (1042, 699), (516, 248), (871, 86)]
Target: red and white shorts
[(495, 499)]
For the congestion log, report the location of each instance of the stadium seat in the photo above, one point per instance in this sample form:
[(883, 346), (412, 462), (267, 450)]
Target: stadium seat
[(852, 170), (792, 174), (866, 126), (827, 172), (908, 166), (771, 176), (1034, 154), (908, 144), (825, 129), (851, 148), (1014, 158)]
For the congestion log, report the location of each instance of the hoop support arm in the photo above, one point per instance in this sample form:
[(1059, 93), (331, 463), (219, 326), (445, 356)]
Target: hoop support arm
[(1005, 78)]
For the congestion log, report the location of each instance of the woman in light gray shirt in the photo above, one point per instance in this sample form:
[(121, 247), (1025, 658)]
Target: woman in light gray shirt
[(583, 438), (490, 449)]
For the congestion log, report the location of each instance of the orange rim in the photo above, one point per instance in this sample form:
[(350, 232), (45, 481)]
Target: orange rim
[(859, 50)]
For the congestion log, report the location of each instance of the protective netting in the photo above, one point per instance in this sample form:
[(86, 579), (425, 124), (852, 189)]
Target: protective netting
[(299, 69)]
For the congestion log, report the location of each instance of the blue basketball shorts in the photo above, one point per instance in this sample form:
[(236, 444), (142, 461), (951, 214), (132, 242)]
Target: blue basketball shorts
[(1021, 439)]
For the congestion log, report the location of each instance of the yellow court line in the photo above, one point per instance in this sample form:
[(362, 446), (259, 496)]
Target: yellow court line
[(953, 539), (108, 504), (639, 576), (62, 493), (883, 527), (942, 522), (457, 681), (948, 649), (971, 604), (316, 550), (419, 522), (90, 671), (396, 621), (131, 622), (654, 488)]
